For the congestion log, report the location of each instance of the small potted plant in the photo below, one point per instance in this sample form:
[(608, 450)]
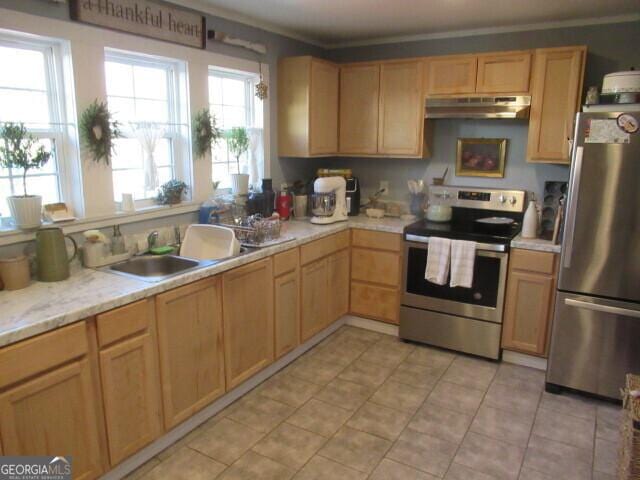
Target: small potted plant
[(238, 143), (19, 149), (171, 192)]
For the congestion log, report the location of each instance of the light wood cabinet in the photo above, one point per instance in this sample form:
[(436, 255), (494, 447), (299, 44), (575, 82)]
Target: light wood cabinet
[(307, 107), (507, 72), (130, 378), (338, 285), (314, 291), (359, 107), (401, 117), (189, 321), (50, 402), (286, 301), (555, 98), (375, 275), (529, 301), (450, 74), (248, 320)]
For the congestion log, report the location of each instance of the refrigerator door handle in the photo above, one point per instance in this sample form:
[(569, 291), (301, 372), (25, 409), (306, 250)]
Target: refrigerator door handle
[(625, 312), (573, 205)]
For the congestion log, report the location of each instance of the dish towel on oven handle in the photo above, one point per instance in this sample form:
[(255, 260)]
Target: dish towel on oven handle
[(463, 256), (438, 255)]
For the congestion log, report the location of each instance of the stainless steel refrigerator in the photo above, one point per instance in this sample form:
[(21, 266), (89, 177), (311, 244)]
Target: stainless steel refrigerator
[(596, 327)]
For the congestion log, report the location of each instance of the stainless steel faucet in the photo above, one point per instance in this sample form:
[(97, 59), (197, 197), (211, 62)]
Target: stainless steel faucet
[(152, 239)]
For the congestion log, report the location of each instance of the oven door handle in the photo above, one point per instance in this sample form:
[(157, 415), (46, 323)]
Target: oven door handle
[(492, 247)]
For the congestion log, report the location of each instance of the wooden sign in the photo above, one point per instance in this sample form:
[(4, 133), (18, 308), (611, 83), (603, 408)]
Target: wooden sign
[(143, 17)]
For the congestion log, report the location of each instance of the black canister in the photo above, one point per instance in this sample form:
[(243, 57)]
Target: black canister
[(269, 197)]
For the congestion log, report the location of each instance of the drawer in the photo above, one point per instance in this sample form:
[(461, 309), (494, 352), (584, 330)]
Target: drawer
[(378, 240), (124, 321), (380, 303), (533, 261), (323, 247), (30, 357), (285, 262), (375, 266)]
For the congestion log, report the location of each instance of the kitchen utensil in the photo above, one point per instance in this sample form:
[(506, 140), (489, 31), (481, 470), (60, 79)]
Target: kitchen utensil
[(209, 242), (417, 204), (15, 272), (439, 213), (440, 180), (51, 255), (323, 204)]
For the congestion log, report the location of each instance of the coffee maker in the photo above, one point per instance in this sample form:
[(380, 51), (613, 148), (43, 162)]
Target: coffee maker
[(353, 196)]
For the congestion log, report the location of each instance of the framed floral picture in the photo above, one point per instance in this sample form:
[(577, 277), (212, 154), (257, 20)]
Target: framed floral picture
[(481, 157)]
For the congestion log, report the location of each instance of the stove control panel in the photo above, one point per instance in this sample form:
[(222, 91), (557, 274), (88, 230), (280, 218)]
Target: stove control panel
[(483, 198), (474, 195)]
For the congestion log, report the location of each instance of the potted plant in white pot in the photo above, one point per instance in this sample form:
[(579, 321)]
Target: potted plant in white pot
[(238, 143), (19, 149)]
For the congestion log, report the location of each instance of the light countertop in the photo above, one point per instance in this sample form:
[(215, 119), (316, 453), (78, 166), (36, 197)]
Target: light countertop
[(45, 306), (535, 244)]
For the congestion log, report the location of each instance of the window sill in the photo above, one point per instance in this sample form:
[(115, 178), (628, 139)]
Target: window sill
[(12, 235)]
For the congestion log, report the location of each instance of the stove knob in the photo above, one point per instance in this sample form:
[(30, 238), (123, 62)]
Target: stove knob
[(512, 200), (502, 199)]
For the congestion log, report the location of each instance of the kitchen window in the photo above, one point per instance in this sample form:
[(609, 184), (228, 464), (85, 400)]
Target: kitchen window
[(31, 93), (233, 102), (144, 96)]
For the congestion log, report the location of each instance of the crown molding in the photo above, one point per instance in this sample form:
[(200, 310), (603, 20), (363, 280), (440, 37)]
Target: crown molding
[(206, 7), (632, 17)]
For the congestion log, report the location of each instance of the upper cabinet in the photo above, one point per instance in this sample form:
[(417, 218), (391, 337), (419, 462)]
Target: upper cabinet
[(359, 106), (450, 74), (381, 109), (401, 113), (307, 107), (501, 72), (555, 98), (504, 72)]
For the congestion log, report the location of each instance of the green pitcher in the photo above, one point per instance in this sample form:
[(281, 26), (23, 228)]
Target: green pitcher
[(51, 255)]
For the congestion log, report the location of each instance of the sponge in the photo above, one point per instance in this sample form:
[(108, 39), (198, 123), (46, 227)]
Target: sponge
[(161, 250)]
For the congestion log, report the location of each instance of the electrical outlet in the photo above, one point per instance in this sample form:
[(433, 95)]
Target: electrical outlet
[(384, 184)]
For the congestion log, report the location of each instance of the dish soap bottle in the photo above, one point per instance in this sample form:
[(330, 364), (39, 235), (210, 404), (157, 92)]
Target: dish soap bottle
[(117, 242), (530, 222)]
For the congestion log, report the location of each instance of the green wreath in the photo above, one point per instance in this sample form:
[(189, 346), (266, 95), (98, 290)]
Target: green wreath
[(206, 133), (98, 131)]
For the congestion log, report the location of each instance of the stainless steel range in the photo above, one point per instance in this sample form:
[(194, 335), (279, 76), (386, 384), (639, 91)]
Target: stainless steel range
[(458, 318)]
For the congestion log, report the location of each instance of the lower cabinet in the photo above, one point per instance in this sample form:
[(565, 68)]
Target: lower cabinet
[(130, 378), (375, 275), (189, 322), (286, 292), (49, 399), (529, 301), (338, 285), (248, 320), (314, 292)]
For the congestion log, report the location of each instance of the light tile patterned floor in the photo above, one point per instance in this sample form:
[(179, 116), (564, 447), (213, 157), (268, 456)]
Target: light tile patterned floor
[(365, 405)]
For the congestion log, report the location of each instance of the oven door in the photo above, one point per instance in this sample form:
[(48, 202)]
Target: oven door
[(483, 301)]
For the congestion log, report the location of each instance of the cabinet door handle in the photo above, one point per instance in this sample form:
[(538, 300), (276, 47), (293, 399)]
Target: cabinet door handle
[(625, 312)]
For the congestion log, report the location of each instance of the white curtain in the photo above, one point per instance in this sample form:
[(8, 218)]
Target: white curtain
[(148, 135), (256, 156)]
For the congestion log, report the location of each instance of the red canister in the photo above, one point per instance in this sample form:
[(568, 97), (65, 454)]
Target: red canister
[(283, 205)]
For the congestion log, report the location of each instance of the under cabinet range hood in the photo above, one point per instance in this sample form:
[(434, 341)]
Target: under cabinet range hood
[(478, 107)]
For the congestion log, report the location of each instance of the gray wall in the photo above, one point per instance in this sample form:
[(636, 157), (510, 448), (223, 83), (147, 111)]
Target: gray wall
[(277, 46), (611, 48)]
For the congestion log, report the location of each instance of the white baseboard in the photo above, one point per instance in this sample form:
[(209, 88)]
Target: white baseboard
[(525, 360), (373, 325), (202, 416)]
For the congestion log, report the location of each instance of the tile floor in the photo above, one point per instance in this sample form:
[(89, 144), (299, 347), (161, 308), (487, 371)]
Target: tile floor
[(365, 405)]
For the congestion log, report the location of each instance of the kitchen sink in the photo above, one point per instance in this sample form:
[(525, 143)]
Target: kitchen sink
[(157, 268)]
